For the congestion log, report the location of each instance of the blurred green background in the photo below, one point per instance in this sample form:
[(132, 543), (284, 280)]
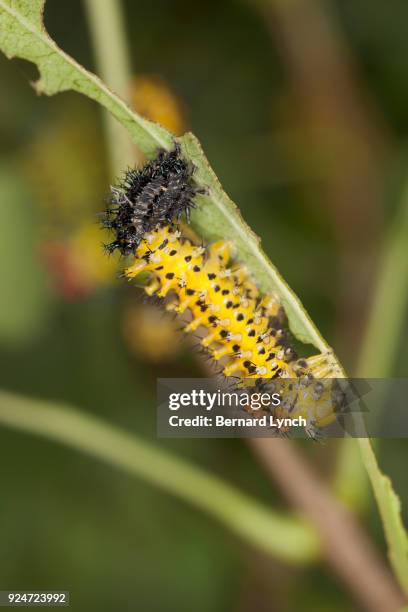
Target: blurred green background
[(302, 109)]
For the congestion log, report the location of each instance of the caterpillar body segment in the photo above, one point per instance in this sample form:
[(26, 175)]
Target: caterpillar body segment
[(243, 328)]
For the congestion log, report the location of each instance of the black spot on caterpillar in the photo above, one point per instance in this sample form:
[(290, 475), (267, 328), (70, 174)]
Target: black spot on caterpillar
[(244, 330), (246, 334), (157, 194)]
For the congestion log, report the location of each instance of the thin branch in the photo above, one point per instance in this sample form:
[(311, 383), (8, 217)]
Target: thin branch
[(106, 24), (345, 546), (344, 543)]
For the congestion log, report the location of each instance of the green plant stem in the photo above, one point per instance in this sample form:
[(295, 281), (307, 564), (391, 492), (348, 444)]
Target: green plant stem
[(282, 536), (376, 359), (106, 24), (390, 510), (388, 502)]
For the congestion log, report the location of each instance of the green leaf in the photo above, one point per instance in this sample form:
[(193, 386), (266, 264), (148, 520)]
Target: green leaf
[(390, 509), (22, 34), (376, 359)]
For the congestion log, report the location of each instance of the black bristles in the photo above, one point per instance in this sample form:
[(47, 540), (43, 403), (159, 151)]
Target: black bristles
[(154, 196)]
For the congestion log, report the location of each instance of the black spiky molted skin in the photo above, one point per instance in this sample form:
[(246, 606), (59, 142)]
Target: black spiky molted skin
[(147, 198)]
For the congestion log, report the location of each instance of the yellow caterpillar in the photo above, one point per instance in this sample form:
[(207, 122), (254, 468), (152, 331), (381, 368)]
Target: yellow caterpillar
[(244, 330)]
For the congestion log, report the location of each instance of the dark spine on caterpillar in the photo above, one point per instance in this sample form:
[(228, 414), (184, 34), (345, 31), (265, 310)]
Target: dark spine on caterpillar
[(147, 198)]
